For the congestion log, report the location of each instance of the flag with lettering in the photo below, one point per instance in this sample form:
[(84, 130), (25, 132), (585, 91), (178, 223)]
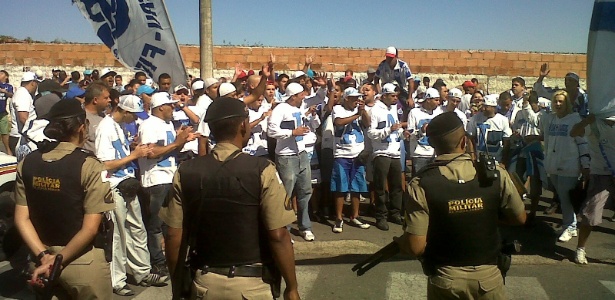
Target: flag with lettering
[(139, 34), (600, 59)]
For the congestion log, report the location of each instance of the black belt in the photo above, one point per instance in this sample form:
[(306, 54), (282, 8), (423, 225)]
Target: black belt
[(230, 272)]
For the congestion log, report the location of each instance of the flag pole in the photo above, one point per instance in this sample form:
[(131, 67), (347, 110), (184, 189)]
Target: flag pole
[(206, 40)]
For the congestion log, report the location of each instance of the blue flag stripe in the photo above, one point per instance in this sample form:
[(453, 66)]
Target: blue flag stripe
[(603, 17)]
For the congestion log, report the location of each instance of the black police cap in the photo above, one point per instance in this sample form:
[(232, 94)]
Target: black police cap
[(65, 109), (443, 124), (224, 108)]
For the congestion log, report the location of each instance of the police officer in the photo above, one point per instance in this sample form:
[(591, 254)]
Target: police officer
[(234, 209), (456, 232), (60, 196)]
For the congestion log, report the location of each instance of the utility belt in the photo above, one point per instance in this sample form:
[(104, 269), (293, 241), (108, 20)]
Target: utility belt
[(268, 272), (430, 269), (233, 271)]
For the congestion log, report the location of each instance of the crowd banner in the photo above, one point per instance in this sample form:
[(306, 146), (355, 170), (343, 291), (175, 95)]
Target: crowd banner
[(600, 59), (139, 34)]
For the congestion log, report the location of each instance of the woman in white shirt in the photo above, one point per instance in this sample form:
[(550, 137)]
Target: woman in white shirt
[(566, 157)]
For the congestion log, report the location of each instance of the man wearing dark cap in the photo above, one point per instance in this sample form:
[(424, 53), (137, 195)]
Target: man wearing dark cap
[(51, 92), (456, 232), (253, 207)]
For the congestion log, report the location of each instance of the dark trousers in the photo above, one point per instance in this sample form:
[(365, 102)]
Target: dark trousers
[(157, 195), (387, 169)]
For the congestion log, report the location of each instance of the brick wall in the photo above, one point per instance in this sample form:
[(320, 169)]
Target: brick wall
[(451, 65)]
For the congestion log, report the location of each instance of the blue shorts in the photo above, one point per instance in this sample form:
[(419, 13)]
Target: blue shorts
[(348, 176)]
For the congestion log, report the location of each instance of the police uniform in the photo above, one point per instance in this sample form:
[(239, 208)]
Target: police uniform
[(461, 225), (59, 187), (232, 201)]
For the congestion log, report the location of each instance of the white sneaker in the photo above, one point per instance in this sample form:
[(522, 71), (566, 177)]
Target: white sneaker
[(574, 232), (338, 227), (307, 235), (359, 223), (580, 258), (565, 236)]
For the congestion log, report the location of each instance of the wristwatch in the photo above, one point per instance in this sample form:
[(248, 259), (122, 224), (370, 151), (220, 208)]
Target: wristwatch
[(181, 106)]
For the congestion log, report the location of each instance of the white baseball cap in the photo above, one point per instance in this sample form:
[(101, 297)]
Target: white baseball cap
[(391, 52), (131, 103), (179, 87), (388, 88), (351, 92), (209, 82), (491, 100), (29, 76), (298, 74), (162, 98), (226, 88), (197, 85), (455, 93), (432, 93), (107, 72), (291, 90)]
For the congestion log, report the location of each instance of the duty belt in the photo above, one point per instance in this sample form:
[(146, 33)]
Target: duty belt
[(232, 271)]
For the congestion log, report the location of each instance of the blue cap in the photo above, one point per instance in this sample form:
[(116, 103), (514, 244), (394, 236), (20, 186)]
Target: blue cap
[(87, 72), (142, 115), (145, 89), (74, 92), (310, 73)]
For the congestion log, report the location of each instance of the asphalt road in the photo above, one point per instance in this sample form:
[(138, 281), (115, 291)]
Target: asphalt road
[(544, 269)]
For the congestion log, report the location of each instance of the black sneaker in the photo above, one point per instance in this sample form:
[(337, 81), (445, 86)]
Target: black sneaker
[(160, 269), (396, 219), (337, 228), (154, 280), (382, 224)]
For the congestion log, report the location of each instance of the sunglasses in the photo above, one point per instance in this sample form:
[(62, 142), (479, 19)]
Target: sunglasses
[(182, 93)]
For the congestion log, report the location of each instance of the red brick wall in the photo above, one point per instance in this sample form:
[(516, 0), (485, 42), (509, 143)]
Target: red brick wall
[(489, 63)]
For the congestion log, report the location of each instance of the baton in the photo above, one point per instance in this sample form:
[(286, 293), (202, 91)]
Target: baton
[(381, 255)]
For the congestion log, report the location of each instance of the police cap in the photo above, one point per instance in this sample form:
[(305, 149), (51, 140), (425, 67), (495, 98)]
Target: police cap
[(443, 124), (65, 109), (224, 108)]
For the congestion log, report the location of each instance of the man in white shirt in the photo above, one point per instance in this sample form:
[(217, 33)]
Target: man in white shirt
[(418, 120), (490, 130), (22, 109), (385, 131), (289, 125), (348, 174), (158, 167), (453, 100), (129, 234)]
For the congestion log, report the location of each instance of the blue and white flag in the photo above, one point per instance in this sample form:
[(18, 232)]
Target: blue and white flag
[(600, 59), (139, 35)]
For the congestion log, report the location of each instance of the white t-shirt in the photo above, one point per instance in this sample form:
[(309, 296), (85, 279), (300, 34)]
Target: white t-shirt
[(257, 145), (158, 170), (418, 120), (204, 102), (349, 139), (385, 142), (283, 120), (22, 102), (181, 119), (490, 133), (111, 144)]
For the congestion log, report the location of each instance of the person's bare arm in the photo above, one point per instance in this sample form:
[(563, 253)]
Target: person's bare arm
[(203, 148), (260, 89), (172, 241), (284, 257), (184, 135), (23, 116), (412, 244), (137, 152)]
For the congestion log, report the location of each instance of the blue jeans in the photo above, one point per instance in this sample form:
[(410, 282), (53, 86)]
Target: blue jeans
[(296, 176), (563, 185), (157, 195)]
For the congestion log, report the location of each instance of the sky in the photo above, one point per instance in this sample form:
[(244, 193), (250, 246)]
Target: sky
[(517, 25)]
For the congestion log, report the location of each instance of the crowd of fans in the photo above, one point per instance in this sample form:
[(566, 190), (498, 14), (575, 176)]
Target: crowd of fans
[(332, 139)]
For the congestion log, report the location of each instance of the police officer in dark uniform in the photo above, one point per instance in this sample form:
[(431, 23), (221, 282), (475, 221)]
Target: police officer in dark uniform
[(232, 209), (60, 196), (456, 232)]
